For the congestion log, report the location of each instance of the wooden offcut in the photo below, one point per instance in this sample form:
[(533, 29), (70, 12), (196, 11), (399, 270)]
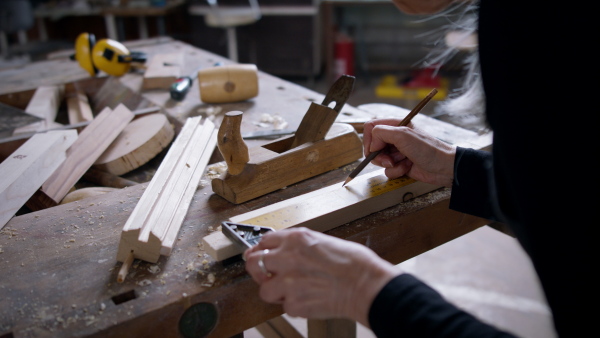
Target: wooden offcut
[(78, 108), (90, 144), (153, 226), (44, 104), (141, 140), (324, 209), (332, 206), (28, 168), (162, 71)]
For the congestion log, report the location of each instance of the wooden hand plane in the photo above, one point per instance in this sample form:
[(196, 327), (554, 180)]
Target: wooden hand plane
[(319, 145)]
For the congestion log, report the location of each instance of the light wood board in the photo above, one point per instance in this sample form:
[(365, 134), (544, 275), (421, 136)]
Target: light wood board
[(324, 209), (29, 167)]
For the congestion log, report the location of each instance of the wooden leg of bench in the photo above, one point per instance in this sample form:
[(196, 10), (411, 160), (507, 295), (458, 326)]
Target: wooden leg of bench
[(331, 328), (278, 327)]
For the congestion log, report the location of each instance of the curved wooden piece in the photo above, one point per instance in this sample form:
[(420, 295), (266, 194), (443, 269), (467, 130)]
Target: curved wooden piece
[(139, 142), (231, 144), (83, 193)]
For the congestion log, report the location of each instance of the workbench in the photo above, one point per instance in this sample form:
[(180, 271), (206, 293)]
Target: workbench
[(58, 265), (110, 14)]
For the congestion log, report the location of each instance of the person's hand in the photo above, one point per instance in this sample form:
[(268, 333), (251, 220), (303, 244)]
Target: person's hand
[(409, 151), (317, 276)]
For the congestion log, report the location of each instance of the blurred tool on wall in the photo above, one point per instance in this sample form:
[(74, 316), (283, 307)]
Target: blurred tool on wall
[(106, 55)]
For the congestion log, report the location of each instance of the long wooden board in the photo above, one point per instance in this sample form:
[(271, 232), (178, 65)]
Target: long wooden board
[(153, 226), (28, 168), (90, 144), (325, 208)]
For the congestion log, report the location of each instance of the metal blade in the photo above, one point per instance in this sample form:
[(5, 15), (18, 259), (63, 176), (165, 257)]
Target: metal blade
[(339, 92)]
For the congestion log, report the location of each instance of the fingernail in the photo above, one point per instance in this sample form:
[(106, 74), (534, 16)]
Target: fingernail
[(387, 164)]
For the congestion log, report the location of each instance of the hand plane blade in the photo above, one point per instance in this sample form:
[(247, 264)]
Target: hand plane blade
[(339, 92), (318, 119)]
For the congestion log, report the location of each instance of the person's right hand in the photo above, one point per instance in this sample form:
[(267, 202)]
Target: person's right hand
[(409, 151)]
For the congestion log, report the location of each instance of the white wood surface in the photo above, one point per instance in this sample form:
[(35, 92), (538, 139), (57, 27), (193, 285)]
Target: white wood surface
[(152, 227), (29, 167)]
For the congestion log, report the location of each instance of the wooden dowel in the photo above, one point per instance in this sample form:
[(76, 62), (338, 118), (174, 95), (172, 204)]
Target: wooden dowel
[(125, 268), (404, 122)]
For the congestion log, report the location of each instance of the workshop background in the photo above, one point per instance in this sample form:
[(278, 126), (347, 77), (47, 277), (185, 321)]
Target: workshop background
[(312, 42)]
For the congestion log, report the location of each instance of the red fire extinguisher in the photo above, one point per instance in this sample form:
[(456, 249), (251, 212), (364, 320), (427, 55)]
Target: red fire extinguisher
[(343, 55)]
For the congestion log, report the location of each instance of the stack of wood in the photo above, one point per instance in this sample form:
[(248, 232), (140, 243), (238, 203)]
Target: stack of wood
[(43, 161)]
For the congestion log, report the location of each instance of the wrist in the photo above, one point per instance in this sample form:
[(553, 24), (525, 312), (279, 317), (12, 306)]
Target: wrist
[(369, 285)]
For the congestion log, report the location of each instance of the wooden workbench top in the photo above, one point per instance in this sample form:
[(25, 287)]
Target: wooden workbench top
[(59, 265)]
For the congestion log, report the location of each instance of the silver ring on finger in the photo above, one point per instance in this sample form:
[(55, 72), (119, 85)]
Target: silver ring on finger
[(261, 263)]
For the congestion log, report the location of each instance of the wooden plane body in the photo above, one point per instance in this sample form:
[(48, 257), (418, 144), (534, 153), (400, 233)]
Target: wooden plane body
[(274, 165)]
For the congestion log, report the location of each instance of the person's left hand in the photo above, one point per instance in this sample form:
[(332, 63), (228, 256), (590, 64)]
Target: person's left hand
[(317, 276)]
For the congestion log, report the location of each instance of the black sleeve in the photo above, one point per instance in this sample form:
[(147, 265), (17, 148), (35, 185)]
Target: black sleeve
[(407, 307), (472, 190)]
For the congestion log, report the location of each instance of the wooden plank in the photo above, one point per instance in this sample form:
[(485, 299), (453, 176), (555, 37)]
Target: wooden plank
[(140, 141), (162, 71), (325, 208), (152, 228), (90, 144), (29, 167), (44, 104)]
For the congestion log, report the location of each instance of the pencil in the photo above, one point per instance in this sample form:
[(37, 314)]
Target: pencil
[(404, 122)]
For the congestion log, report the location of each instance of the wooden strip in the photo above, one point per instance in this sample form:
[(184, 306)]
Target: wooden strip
[(29, 167), (154, 224), (90, 144), (191, 186), (78, 108), (324, 209), (445, 131)]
